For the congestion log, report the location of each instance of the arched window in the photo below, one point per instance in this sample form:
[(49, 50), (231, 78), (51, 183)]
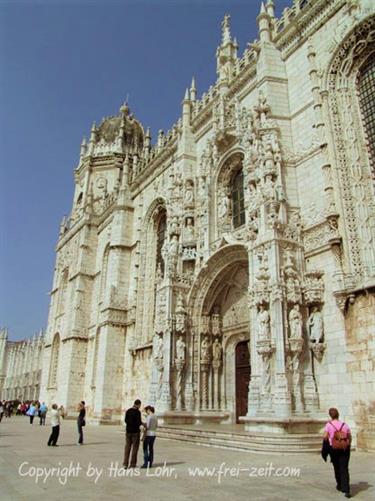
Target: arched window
[(54, 360), (237, 195), (366, 91), (161, 228)]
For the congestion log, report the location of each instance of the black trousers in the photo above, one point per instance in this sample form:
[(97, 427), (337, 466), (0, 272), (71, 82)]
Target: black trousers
[(80, 432), (340, 461), (42, 418), (54, 435), (31, 419)]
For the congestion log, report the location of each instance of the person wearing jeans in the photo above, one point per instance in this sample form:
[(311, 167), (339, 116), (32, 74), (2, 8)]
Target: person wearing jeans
[(148, 444)]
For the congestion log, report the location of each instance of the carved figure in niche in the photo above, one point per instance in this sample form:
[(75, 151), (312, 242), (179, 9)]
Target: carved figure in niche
[(295, 322), (189, 229), (174, 227), (315, 324), (216, 321), (253, 198), (180, 348), (269, 188), (216, 350), (263, 323), (205, 349), (158, 346), (177, 185), (223, 205), (189, 194)]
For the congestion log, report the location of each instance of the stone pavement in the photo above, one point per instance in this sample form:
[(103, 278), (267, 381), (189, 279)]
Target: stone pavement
[(92, 472)]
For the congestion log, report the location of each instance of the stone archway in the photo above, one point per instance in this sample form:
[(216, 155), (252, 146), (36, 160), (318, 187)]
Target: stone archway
[(220, 313)]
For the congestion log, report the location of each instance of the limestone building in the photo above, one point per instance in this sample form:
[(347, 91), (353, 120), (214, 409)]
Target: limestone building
[(227, 272), (20, 367)]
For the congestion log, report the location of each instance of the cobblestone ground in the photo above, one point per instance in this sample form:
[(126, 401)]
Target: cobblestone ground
[(30, 470)]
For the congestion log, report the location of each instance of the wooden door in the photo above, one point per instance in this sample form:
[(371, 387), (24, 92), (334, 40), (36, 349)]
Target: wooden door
[(242, 378)]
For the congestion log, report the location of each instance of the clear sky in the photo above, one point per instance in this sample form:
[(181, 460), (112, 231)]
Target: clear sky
[(63, 65)]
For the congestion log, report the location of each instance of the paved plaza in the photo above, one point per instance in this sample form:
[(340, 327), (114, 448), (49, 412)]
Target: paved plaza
[(29, 469)]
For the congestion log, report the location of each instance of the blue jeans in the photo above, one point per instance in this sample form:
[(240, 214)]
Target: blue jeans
[(148, 451)]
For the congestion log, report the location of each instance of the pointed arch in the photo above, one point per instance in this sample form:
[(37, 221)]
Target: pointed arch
[(153, 234)]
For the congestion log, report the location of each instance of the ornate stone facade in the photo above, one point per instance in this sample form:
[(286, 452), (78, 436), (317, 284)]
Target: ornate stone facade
[(20, 367), (251, 221)]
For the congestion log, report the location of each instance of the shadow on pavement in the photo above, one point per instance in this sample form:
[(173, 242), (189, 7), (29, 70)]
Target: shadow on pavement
[(360, 486)]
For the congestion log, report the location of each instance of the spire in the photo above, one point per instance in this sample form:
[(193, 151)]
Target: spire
[(83, 148), (187, 96), (270, 7), (193, 90), (225, 30), (264, 23)]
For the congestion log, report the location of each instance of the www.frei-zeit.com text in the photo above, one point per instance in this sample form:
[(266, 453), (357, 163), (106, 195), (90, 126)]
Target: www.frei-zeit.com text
[(43, 474)]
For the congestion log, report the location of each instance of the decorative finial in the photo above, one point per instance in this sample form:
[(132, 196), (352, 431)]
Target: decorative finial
[(125, 108)]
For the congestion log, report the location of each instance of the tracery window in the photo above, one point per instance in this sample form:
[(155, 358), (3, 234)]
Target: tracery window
[(160, 238), (366, 92), (237, 195), (54, 360)]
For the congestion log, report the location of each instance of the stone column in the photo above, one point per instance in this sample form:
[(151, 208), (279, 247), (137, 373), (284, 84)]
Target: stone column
[(216, 364), (282, 397), (205, 368), (179, 364)]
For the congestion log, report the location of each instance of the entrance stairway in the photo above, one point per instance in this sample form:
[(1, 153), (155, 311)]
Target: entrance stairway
[(235, 438)]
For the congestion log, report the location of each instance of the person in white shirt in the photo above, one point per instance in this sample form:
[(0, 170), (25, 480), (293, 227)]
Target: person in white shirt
[(55, 423), (148, 443)]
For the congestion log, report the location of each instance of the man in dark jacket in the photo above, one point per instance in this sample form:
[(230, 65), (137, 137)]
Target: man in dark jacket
[(133, 422)]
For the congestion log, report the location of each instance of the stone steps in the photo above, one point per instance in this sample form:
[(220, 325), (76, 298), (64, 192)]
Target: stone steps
[(251, 442)]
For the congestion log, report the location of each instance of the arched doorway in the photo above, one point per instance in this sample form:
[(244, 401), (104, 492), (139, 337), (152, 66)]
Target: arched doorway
[(221, 312), (242, 378)]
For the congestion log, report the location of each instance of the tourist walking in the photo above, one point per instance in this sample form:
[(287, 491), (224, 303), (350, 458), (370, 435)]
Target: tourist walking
[(133, 422), (2, 407), (81, 421), (42, 413), (336, 443), (32, 412), (148, 443), (56, 415)]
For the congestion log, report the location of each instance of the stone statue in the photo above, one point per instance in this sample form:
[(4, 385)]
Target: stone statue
[(269, 188), (158, 346), (295, 322), (223, 205), (216, 350), (205, 349), (315, 324), (189, 194), (189, 229), (263, 323), (180, 348)]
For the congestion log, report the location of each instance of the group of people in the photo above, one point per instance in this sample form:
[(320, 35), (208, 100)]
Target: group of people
[(134, 427), (27, 408), (337, 436), (55, 416)]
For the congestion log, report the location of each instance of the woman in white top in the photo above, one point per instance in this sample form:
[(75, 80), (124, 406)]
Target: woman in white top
[(148, 443)]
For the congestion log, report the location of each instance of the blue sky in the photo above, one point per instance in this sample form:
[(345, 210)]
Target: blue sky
[(64, 64)]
